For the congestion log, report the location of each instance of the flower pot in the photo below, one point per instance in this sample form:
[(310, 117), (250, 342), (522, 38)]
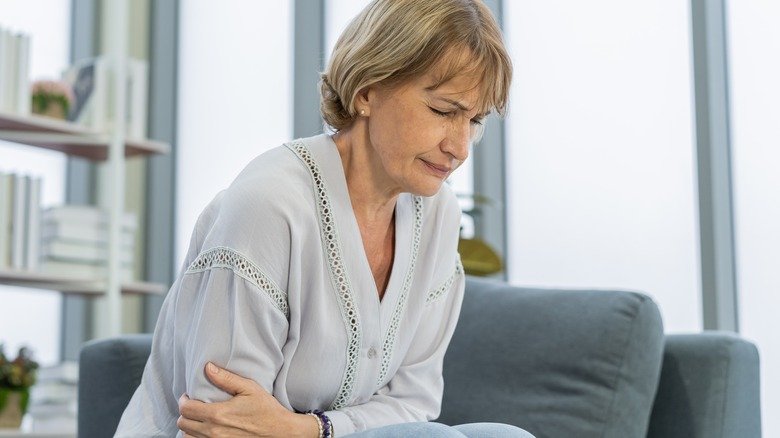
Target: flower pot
[(13, 404)]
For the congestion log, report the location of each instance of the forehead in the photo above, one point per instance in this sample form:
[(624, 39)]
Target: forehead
[(457, 76)]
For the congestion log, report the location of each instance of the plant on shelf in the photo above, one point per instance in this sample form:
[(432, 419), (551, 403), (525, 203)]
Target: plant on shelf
[(16, 378), (52, 98)]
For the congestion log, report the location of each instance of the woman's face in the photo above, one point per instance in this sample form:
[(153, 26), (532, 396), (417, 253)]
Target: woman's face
[(420, 134)]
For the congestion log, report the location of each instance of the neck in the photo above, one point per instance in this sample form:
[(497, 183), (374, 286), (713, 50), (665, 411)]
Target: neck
[(371, 192)]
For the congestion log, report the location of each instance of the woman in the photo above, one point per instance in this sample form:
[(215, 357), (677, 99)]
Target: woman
[(326, 277)]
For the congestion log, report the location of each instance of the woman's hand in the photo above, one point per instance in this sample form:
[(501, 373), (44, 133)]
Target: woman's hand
[(252, 411)]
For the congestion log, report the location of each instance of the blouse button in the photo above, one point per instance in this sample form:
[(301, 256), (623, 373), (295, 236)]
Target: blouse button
[(371, 353)]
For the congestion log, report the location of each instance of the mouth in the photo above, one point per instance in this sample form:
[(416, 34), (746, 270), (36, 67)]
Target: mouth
[(438, 170)]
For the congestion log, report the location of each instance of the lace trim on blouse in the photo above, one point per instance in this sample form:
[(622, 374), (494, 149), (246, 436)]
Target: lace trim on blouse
[(223, 257), (392, 333), (441, 291), (338, 274)]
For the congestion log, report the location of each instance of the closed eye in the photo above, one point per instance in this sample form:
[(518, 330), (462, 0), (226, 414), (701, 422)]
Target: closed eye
[(440, 113), (475, 121)]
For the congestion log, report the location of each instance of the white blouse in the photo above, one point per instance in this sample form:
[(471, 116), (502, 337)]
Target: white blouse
[(276, 287)]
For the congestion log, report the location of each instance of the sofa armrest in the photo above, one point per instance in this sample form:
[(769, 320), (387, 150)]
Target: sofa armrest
[(109, 373), (709, 387)]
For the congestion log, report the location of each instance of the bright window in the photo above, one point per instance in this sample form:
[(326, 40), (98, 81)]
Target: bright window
[(754, 71), (600, 155), (235, 96)]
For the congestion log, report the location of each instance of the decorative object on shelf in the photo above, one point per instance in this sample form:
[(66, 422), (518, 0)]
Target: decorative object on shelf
[(92, 79), (16, 378), (478, 258), (52, 98)]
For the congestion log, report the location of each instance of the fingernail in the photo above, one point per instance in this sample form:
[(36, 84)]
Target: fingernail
[(213, 368)]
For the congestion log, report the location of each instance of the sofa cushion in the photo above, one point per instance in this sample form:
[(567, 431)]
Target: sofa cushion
[(558, 363)]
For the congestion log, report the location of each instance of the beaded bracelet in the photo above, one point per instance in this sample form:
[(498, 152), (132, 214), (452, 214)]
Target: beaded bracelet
[(319, 423), (323, 422)]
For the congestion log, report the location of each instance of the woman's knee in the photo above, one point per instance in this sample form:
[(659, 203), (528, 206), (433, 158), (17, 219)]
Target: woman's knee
[(491, 430)]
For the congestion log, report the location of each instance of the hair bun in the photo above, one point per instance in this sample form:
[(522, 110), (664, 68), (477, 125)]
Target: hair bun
[(331, 107)]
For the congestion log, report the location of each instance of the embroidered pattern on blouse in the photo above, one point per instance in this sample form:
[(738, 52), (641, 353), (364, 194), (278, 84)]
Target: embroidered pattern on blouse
[(223, 257), (435, 294), (392, 332), (339, 275)]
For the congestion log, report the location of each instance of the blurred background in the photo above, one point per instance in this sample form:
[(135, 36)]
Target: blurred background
[(641, 151)]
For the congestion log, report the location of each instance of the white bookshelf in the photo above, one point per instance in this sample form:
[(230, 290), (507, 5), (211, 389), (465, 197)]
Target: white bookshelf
[(75, 286), (69, 138), (74, 140), (111, 147)]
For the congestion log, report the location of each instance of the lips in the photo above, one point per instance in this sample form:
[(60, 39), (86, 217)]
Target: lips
[(437, 169)]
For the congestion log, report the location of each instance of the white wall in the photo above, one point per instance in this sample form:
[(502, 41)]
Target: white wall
[(235, 96), (754, 47), (601, 181), (30, 317)]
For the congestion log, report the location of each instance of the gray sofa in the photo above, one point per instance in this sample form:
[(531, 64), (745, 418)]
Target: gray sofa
[(558, 363)]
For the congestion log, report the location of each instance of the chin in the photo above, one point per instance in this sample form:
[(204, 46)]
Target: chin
[(426, 189)]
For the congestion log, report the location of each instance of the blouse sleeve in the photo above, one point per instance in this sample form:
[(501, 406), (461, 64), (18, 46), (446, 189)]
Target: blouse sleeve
[(222, 308), (415, 392)]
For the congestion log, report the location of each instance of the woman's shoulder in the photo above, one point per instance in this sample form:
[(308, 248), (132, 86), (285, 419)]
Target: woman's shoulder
[(271, 192)]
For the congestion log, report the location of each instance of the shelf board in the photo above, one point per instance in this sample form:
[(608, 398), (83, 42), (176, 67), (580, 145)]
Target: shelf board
[(69, 138), (68, 285)]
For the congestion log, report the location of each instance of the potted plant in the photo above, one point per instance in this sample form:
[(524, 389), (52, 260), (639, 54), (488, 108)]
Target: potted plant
[(52, 98), (16, 378)]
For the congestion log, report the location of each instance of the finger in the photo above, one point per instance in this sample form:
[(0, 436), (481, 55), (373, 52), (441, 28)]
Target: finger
[(229, 382), (192, 428), (195, 409)]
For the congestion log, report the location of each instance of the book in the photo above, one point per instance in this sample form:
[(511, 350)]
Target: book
[(83, 233), (51, 393), (6, 207), (84, 214), (33, 232), (19, 222), (55, 249), (22, 90), (5, 41), (66, 371), (138, 90), (8, 68)]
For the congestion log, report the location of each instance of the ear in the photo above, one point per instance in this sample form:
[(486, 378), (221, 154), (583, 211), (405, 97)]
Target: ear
[(364, 99)]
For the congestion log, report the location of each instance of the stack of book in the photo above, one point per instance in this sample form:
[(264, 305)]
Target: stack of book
[(54, 399), (75, 243), (20, 224), (14, 72)]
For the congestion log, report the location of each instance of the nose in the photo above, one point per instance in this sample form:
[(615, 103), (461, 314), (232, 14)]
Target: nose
[(458, 139)]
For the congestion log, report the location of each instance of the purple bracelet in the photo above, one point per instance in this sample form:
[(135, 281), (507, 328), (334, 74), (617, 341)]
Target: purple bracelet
[(327, 425)]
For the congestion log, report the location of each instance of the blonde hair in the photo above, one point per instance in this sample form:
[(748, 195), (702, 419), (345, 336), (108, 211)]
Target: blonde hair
[(394, 41)]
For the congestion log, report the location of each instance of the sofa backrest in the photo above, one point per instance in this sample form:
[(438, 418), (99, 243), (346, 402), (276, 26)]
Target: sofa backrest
[(557, 363)]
